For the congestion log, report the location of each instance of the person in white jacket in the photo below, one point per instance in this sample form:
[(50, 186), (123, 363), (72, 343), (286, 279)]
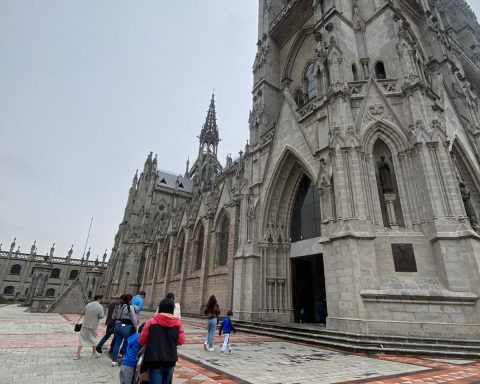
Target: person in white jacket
[(176, 311)]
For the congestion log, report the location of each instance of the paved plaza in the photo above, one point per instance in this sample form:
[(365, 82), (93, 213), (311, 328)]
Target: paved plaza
[(39, 348)]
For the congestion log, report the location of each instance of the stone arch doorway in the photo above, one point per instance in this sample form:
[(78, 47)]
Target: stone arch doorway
[(308, 276), (290, 220), (469, 185)]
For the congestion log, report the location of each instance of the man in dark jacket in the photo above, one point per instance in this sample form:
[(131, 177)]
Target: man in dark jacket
[(110, 323), (161, 335)]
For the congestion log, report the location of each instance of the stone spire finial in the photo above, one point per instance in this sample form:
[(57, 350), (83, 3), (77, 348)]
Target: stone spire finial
[(104, 255), (12, 246), (70, 252), (18, 250), (1, 247), (33, 248), (188, 166), (88, 253), (209, 137), (135, 179)]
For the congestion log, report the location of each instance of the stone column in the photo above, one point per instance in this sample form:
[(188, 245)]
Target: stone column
[(390, 207)]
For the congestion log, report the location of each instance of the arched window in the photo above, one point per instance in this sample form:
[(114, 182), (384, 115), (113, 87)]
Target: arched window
[(179, 259), (223, 237), (73, 274), (9, 290), (380, 70), (15, 269), (309, 85), (199, 248), (299, 98), (55, 274), (355, 72), (50, 292), (166, 248), (306, 212)]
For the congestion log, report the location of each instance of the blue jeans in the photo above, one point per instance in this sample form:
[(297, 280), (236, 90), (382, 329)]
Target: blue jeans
[(211, 328), (122, 333), (160, 375), (109, 332)]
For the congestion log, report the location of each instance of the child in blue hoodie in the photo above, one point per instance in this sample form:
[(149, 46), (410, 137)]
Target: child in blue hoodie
[(226, 328), (130, 360)]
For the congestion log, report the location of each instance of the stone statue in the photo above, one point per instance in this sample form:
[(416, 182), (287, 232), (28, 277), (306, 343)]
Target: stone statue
[(12, 246), (385, 175), (468, 206), (33, 248), (70, 252), (52, 250), (88, 253)]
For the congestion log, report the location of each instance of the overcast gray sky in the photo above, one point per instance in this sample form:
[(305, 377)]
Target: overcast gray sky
[(88, 88)]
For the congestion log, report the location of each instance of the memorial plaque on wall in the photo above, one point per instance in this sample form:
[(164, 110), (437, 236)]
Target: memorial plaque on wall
[(404, 258)]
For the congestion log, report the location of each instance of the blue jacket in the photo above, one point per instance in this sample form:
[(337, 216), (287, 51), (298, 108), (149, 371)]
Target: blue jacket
[(131, 356), (138, 302), (227, 326)]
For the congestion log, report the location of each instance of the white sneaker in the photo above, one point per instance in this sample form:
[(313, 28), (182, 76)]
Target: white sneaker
[(205, 346), (114, 363), (211, 349), (223, 353)]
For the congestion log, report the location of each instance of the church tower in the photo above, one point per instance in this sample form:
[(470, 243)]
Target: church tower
[(207, 166), (363, 168)]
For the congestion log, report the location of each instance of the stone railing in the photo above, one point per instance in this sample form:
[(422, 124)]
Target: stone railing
[(53, 260), (389, 86), (357, 88)]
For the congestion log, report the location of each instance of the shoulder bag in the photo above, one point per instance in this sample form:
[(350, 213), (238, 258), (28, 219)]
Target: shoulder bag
[(78, 327)]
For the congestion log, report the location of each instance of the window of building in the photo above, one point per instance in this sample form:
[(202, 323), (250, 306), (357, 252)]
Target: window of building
[(299, 98), (223, 237), (404, 258), (309, 83), (9, 290), (355, 72), (50, 292), (15, 269), (166, 248), (380, 70), (180, 248), (306, 212), (55, 274), (199, 248), (73, 274)]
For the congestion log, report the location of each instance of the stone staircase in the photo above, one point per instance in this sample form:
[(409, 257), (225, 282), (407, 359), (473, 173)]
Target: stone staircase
[(317, 335)]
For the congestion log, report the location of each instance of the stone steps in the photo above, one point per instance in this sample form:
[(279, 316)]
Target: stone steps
[(364, 343)]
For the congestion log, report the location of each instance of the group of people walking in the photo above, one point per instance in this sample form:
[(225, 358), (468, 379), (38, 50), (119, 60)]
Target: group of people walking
[(148, 351)]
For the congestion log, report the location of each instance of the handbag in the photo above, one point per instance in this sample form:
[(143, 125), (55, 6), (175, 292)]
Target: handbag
[(78, 327)]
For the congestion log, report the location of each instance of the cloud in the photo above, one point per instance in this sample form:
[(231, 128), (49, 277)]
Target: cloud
[(14, 165)]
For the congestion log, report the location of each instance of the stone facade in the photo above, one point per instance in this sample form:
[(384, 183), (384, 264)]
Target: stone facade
[(359, 188), (38, 280)]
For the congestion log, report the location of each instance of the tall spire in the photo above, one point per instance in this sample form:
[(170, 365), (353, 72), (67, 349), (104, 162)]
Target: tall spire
[(209, 136)]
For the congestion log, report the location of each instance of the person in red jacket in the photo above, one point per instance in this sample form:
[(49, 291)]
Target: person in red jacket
[(161, 335)]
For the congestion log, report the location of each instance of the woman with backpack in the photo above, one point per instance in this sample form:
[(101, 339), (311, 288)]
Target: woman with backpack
[(125, 324)]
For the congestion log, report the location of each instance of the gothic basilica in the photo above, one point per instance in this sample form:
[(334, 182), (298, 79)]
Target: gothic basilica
[(358, 195)]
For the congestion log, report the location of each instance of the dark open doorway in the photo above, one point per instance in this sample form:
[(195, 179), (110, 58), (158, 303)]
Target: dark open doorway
[(308, 287)]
